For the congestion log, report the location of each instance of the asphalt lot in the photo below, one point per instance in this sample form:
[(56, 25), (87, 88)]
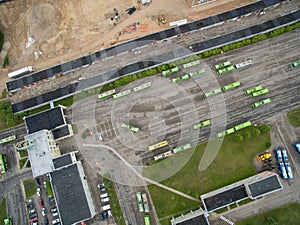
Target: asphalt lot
[(167, 110)]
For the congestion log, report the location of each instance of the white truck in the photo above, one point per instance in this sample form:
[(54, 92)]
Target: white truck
[(20, 72)]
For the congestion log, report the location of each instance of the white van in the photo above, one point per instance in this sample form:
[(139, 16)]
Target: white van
[(104, 199), (104, 195)]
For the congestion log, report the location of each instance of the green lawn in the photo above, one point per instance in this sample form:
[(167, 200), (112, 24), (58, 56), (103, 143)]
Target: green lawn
[(284, 215), (49, 189), (168, 204), (114, 202), (22, 162), (233, 163), (66, 101), (2, 210), (23, 153), (294, 117), (30, 187)]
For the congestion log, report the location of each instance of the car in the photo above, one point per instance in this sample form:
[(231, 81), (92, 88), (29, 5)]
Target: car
[(34, 223), (45, 184), (34, 219), (105, 214), (109, 213), (100, 185), (41, 202), (46, 221), (53, 210), (31, 211), (43, 211), (32, 215), (51, 200), (55, 214), (37, 182), (55, 221), (29, 200), (31, 206), (101, 215), (38, 192)]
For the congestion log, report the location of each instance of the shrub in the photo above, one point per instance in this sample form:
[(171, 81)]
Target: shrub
[(6, 61), (256, 132), (238, 138), (265, 129)]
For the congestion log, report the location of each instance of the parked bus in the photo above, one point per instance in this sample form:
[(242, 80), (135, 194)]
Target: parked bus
[(225, 70), (162, 155), (145, 202), (289, 170), (181, 148), (131, 128), (158, 145), (279, 155), (243, 64), (297, 146), (261, 92), (284, 155), (140, 201), (8, 139), (295, 64), (193, 74), (190, 64), (21, 72), (222, 65), (142, 87), (230, 86), (283, 171), (147, 220), (254, 89), (170, 71), (225, 132), (106, 94), (211, 93), (3, 164), (181, 78), (122, 94), (260, 103), (242, 125), (201, 124)]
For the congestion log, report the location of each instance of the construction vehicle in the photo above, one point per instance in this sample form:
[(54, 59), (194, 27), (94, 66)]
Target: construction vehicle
[(162, 19), (264, 156)]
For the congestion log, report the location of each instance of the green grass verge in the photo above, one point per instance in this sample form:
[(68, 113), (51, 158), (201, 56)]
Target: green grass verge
[(233, 163), (49, 189), (23, 153), (114, 202), (246, 201), (66, 101), (2, 210), (294, 117), (286, 214), (22, 162), (30, 187), (168, 204), (39, 109)]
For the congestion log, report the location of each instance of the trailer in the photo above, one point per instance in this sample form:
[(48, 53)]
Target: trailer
[(21, 72)]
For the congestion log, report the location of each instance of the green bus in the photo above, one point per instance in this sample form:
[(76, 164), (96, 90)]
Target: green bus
[(225, 132), (142, 87), (170, 71), (260, 103), (208, 94), (131, 128), (3, 164), (147, 219), (295, 64), (242, 125), (140, 201), (261, 92), (230, 86), (181, 148), (8, 139), (201, 124), (121, 94), (254, 89), (176, 79), (222, 65), (193, 74), (106, 94), (190, 64), (225, 70), (185, 77)]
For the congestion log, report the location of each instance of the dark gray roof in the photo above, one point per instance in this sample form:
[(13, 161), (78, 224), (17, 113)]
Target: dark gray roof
[(198, 47), (264, 186), (70, 195), (225, 198), (199, 220), (48, 120), (61, 161), (61, 132)]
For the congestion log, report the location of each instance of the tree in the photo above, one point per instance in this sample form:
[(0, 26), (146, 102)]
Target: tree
[(256, 132), (265, 129), (238, 137), (246, 135)]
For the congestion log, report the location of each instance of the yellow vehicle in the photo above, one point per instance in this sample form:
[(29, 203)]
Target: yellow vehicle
[(158, 145)]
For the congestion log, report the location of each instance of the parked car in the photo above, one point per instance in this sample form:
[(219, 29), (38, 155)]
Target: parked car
[(41, 202), (29, 200), (109, 213), (55, 214), (45, 184), (38, 192), (100, 185), (101, 215), (55, 221), (37, 182), (32, 215), (53, 210), (33, 219), (35, 223), (31, 206), (46, 222), (43, 211), (31, 211)]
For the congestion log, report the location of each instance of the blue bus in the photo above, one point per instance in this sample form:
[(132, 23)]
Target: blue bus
[(297, 146), (283, 171)]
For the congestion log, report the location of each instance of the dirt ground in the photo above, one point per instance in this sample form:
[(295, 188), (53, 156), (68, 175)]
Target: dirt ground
[(43, 33)]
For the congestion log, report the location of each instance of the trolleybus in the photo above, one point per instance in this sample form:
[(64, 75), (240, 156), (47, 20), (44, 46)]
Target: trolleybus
[(131, 128), (106, 94), (158, 145), (254, 89), (8, 139), (260, 103), (261, 92)]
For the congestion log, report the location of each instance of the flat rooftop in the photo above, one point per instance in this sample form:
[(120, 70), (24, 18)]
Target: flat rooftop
[(64, 160), (61, 132), (225, 198), (48, 120), (265, 186), (39, 153), (71, 194), (197, 217)]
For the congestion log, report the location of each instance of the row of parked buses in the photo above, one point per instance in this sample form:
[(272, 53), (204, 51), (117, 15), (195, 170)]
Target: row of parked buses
[(143, 206), (226, 67), (283, 163)]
